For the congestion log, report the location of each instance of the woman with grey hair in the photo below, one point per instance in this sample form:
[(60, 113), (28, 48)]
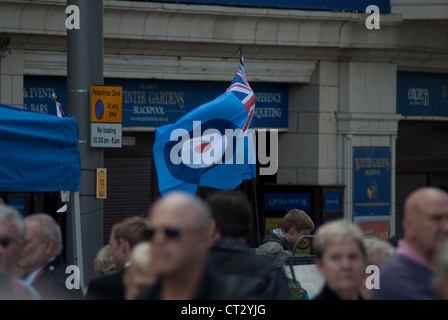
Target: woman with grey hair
[(340, 258), (378, 251)]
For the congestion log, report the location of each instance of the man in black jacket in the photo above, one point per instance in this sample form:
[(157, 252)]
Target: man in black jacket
[(125, 234), (41, 260), (230, 254), (180, 236)]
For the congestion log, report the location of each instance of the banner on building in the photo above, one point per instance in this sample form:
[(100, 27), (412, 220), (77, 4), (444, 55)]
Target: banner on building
[(371, 181)]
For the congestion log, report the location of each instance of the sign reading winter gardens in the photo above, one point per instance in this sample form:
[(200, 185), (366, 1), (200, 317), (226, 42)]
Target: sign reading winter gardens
[(154, 103)]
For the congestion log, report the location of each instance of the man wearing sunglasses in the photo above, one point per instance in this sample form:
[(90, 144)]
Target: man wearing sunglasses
[(180, 235), (12, 235)]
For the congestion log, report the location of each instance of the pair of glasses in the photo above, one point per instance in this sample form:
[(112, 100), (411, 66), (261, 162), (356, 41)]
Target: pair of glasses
[(170, 232), (4, 242)]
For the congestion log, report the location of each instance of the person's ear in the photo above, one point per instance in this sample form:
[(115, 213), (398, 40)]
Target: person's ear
[(293, 230), (126, 246), (50, 244), (211, 233)]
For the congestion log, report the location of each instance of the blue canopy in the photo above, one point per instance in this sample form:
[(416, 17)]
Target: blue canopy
[(38, 152)]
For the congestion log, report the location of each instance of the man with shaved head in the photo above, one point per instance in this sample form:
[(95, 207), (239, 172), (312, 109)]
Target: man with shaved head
[(180, 233), (407, 275)]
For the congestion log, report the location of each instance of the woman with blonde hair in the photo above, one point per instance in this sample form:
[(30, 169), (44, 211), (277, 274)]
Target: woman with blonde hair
[(340, 258)]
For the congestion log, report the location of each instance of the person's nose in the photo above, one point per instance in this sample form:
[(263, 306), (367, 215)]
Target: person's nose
[(346, 263)]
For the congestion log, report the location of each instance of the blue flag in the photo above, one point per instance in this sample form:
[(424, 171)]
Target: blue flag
[(212, 146)]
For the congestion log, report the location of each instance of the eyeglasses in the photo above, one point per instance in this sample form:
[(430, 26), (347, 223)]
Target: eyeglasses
[(170, 232), (4, 242)]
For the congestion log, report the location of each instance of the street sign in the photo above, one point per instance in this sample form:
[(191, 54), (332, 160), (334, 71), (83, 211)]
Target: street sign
[(101, 183), (106, 106)]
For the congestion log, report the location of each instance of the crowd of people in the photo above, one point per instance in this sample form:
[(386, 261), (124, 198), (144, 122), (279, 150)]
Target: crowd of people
[(190, 249)]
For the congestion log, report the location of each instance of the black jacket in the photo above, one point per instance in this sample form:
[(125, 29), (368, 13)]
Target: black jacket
[(50, 282), (232, 257), (213, 286), (108, 287), (327, 294)]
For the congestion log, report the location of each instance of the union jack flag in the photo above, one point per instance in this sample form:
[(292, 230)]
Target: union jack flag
[(215, 149), (59, 111), (241, 88)]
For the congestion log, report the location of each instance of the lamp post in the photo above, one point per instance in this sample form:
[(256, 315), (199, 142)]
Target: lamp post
[(85, 51)]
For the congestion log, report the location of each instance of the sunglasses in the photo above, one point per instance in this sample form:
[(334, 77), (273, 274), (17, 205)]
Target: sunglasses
[(4, 242), (169, 232)]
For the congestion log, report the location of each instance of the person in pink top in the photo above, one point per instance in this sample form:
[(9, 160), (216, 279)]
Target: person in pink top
[(408, 274)]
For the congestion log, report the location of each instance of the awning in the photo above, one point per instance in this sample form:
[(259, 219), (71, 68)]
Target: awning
[(38, 152)]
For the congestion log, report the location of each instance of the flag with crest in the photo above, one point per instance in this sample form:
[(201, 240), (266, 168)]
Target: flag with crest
[(212, 145)]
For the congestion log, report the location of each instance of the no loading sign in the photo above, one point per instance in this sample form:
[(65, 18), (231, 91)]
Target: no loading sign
[(106, 105)]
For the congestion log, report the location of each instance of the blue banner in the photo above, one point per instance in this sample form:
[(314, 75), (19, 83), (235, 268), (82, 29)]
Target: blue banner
[(287, 201), (332, 202), (371, 181), (37, 91), (424, 94), (154, 103), (345, 5)]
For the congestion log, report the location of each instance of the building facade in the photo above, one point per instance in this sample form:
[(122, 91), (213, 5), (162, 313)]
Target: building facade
[(359, 111)]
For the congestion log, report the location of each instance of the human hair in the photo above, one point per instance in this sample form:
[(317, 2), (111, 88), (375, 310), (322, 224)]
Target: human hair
[(141, 257), (104, 261), (140, 261), (131, 229), (298, 219), (48, 228), (335, 232), (232, 213), (8, 213), (377, 251)]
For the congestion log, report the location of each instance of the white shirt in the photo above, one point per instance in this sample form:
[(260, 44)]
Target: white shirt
[(30, 278)]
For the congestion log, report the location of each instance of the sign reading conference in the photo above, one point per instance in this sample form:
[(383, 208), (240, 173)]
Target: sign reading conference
[(106, 108)]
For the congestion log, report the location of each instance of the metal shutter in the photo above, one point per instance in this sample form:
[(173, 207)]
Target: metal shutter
[(130, 180)]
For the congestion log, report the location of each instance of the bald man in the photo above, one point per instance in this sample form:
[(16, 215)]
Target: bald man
[(408, 274), (181, 233)]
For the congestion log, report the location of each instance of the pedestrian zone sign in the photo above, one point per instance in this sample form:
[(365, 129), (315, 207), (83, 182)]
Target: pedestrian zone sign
[(106, 109)]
